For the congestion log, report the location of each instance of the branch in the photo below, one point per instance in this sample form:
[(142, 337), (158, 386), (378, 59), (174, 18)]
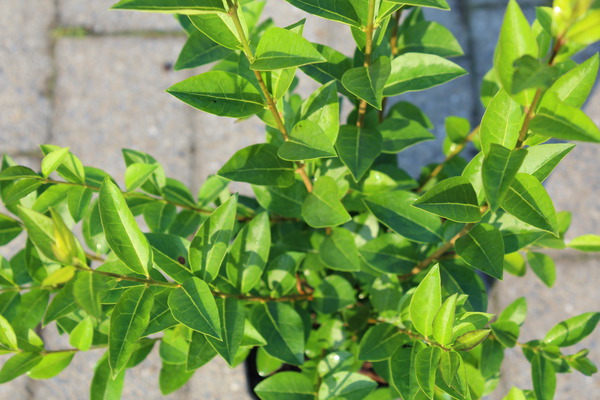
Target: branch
[(362, 107), (233, 7)]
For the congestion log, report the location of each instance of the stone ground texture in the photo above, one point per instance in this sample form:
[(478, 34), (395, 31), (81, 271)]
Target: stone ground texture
[(99, 87)]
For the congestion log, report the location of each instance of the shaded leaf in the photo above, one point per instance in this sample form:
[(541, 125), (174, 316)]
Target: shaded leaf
[(288, 385), (193, 304), (483, 249), (281, 48), (358, 148), (498, 170), (323, 208)]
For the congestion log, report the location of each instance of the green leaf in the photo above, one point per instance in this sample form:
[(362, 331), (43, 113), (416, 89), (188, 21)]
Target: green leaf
[(161, 317), (323, 108), (280, 48), (283, 330), (71, 168), (62, 303), (498, 170), (403, 370), (338, 251), (92, 230), (18, 365), (589, 243), (394, 209), (104, 386), (532, 73), (40, 230), (51, 365), (542, 159), (209, 246), (367, 83), (471, 339), (288, 385), (199, 50), (172, 6), (82, 335), (220, 93), (444, 321), (441, 4), (346, 385), (528, 201), (307, 141), (331, 70), (426, 363), (88, 289), (159, 216), (483, 249), (543, 377), (123, 235), (543, 266), (232, 316), (322, 208), (562, 121), (515, 312), (426, 301), (249, 253), (172, 377), (572, 330), (220, 28), (20, 189), (8, 337), (574, 87), (9, 229), (59, 276), (128, 321), (453, 198), (281, 272), (391, 254), (457, 129), (53, 160), (358, 148), (401, 133), (137, 174), (259, 164), (501, 122), (333, 294), (78, 201), (193, 304), (470, 321), (286, 202), (200, 352), (380, 342), (428, 37), (156, 182), (343, 12), (516, 40), (412, 72), (18, 172), (506, 332)]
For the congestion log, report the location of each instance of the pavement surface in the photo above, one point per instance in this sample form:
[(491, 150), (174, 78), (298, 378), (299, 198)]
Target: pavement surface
[(74, 73)]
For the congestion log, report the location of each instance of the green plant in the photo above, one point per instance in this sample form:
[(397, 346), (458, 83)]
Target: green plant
[(343, 266)]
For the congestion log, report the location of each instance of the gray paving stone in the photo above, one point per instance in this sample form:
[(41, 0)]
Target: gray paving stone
[(96, 16), (110, 95), (25, 74)]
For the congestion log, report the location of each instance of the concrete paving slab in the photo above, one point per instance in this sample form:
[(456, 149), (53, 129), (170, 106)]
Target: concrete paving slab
[(25, 74), (110, 95), (96, 16)]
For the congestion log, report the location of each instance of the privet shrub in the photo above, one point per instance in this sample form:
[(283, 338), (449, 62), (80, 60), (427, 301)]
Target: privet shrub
[(354, 279)]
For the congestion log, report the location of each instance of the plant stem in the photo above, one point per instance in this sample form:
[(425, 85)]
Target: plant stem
[(459, 148), (152, 282), (233, 8), (394, 38), (362, 107), (528, 117)]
